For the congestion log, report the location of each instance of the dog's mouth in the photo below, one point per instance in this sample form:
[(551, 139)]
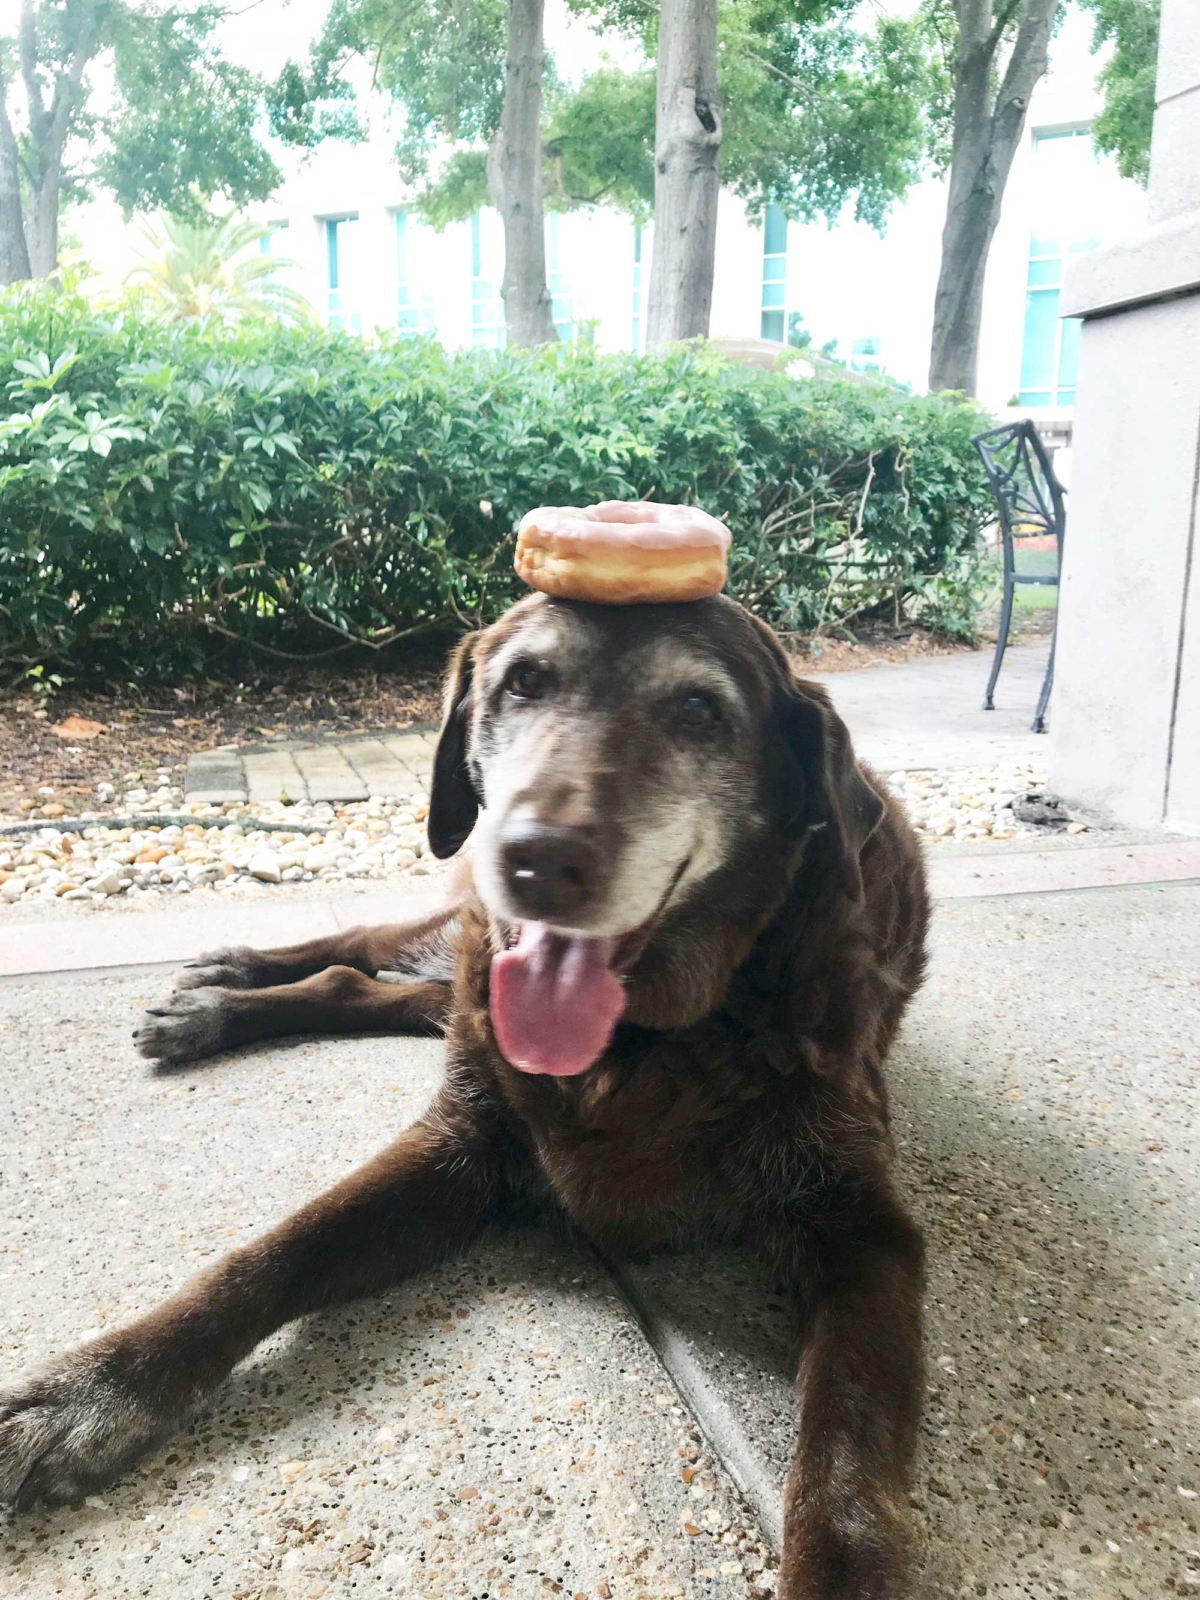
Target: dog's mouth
[(556, 997)]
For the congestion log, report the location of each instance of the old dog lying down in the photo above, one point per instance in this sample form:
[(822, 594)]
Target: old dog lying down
[(693, 925)]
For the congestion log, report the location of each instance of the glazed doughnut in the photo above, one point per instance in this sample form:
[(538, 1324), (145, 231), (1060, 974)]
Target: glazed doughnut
[(622, 552)]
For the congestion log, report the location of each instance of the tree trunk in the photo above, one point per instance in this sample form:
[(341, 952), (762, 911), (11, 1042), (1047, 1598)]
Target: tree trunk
[(41, 227), (985, 142), (687, 148), (515, 181), (14, 252), (49, 128)]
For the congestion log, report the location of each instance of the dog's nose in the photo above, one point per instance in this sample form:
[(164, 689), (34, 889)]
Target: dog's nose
[(550, 871)]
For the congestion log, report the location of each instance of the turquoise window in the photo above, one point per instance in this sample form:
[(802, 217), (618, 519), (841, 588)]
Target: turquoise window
[(487, 308), (1068, 353), (1044, 273), (1050, 344), (334, 268), (562, 300), (414, 311), (1039, 346), (773, 304), (636, 330)]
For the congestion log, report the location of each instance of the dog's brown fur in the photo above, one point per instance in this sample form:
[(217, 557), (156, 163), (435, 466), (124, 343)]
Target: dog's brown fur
[(742, 1097)]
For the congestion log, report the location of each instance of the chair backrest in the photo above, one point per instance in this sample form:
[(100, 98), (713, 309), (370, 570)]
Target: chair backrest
[(1029, 498)]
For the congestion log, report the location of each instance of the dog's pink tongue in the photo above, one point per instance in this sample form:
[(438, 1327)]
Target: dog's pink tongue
[(555, 1000)]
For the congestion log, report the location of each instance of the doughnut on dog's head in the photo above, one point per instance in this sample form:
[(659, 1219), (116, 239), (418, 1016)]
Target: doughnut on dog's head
[(640, 785)]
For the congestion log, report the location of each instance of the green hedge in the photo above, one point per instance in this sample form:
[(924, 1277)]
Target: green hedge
[(164, 489)]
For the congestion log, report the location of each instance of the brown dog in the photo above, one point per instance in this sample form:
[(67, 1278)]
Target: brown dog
[(694, 927)]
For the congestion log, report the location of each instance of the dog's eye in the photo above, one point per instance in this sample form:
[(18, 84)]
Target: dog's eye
[(527, 681), (699, 711)]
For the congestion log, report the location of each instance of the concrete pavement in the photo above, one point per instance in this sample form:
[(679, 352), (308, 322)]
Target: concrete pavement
[(499, 1428), (930, 713), (1046, 1103)]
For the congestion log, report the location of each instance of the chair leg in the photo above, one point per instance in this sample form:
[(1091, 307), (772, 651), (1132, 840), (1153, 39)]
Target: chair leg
[(1006, 606), (1039, 716)]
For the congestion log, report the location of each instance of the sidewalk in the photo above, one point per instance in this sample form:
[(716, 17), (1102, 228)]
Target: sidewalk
[(355, 768), (930, 713)]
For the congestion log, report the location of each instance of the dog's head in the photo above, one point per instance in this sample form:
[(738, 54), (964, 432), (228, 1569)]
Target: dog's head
[(639, 783)]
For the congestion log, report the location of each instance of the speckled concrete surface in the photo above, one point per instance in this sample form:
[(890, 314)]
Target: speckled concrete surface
[(1047, 1110), (1047, 1100), (498, 1428)]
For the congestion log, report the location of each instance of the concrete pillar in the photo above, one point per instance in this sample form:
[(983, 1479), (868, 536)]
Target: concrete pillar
[(1125, 717)]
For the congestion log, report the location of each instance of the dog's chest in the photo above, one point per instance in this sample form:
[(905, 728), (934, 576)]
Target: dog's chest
[(645, 1150)]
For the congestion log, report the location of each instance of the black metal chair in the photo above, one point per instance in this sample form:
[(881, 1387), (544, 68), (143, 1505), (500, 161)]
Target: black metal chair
[(1029, 502)]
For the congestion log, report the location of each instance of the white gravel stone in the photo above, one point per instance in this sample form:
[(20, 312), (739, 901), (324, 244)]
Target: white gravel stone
[(966, 804), (380, 840), (265, 866), (110, 883)]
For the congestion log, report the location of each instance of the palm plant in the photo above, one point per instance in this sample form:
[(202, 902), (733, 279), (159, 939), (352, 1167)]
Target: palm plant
[(214, 269)]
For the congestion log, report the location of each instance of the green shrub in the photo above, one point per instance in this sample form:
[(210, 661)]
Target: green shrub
[(166, 488)]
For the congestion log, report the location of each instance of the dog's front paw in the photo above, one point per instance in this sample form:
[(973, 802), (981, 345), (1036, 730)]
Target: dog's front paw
[(236, 966), (69, 1430), (186, 1027)]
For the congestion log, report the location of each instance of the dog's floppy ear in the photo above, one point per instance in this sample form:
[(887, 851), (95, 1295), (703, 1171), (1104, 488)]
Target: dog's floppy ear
[(832, 792), (453, 802)]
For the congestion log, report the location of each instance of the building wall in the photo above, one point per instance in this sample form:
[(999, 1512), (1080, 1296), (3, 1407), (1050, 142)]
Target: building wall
[(1125, 719)]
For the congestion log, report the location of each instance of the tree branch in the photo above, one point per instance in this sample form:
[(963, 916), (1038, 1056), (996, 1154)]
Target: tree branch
[(396, 22), (554, 150), (1007, 12), (65, 102), (802, 90), (49, 128), (1025, 66), (27, 54)]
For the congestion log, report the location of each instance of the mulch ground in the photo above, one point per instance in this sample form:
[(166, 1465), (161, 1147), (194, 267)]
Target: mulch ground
[(136, 729)]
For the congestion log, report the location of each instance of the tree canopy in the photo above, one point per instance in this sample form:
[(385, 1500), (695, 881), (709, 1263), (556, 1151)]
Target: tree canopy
[(132, 97), (1127, 80), (816, 111)]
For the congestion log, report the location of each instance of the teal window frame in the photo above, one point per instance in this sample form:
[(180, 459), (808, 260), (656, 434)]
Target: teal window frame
[(562, 298), (772, 321), (635, 340), (1050, 343), (335, 310), (487, 307), (413, 318)]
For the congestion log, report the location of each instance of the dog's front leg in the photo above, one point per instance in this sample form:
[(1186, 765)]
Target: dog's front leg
[(81, 1421), (202, 1022), (367, 949), (860, 1385)]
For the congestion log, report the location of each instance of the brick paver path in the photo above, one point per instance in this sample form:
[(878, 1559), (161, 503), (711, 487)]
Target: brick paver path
[(356, 768)]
